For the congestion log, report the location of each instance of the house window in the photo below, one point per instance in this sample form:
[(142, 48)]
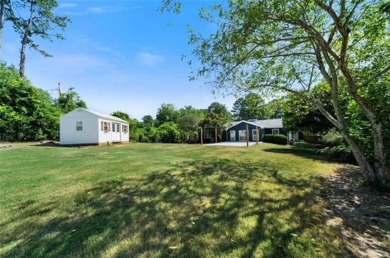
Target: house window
[(275, 131), (79, 125), (124, 128), (113, 127)]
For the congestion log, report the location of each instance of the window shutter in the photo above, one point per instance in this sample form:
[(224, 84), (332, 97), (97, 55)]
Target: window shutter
[(101, 126), (109, 127)]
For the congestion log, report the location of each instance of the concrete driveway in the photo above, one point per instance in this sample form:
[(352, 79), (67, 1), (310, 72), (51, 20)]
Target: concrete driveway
[(231, 144)]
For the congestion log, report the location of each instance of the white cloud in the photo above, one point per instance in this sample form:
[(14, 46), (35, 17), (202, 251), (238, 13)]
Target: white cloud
[(67, 5), (148, 59), (103, 9)]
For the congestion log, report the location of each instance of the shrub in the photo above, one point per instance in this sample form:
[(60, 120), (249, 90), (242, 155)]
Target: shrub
[(335, 147), (169, 133), (280, 139), (268, 138)]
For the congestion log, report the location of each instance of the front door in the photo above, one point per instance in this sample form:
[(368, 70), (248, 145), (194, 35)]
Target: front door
[(232, 135), (116, 132), (242, 135), (254, 135)]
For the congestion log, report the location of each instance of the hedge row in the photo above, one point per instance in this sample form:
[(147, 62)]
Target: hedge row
[(275, 138)]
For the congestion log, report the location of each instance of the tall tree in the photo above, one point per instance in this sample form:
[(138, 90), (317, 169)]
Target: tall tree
[(252, 106), (36, 19), (5, 13), (69, 100), (289, 46), (166, 113), (300, 115), (148, 120), (217, 117)]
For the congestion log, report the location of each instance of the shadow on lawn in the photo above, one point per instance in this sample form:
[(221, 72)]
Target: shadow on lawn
[(360, 213), (299, 150), (196, 209)]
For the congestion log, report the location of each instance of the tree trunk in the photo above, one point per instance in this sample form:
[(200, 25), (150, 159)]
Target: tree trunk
[(382, 175), (2, 7), (22, 57), (381, 170)]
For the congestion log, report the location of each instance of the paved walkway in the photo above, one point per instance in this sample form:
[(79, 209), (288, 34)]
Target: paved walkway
[(231, 144)]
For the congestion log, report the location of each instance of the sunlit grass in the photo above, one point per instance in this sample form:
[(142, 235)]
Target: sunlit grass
[(157, 200)]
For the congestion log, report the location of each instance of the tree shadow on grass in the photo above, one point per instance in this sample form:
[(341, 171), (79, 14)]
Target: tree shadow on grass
[(360, 213), (195, 209), (305, 152)]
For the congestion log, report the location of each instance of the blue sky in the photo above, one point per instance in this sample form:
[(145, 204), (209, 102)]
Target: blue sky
[(121, 55)]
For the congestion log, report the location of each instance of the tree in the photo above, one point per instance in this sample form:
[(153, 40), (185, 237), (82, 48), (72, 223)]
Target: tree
[(36, 19), (249, 107), (290, 46), (300, 115), (69, 101), (26, 113), (188, 120), (169, 133), (148, 120), (5, 13), (121, 115), (217, 117), (166, 113), (189, 123)]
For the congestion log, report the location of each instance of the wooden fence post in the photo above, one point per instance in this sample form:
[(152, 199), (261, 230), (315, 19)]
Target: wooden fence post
[(247, 136), (201, 136)]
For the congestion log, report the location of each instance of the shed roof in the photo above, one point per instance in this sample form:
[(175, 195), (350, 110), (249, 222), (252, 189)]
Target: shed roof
[(100, 115)]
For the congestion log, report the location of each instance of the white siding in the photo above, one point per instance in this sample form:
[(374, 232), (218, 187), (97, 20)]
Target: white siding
[(91, 132), (69, 134)]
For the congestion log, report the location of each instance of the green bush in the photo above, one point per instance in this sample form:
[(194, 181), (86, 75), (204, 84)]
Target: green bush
[(336, 148), (268, 138), (169, 133), (280, 139)]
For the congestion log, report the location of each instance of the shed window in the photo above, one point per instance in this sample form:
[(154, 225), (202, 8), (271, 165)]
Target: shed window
[(275, 131), (124, 128), (79, 125), (106, 126)]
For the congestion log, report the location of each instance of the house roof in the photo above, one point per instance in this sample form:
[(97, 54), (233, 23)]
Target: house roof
[(267, 123), (100, 115)]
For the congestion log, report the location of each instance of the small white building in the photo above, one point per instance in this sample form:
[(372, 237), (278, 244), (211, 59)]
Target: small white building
[(82, 126)]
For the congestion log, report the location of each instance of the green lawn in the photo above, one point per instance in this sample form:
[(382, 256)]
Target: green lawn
[(163, 200)]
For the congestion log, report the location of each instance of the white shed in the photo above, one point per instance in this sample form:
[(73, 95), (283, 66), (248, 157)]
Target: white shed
[(82, 126)]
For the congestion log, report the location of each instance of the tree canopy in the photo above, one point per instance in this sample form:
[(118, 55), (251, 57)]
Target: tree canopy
[(32, 19), (252, 106), (26, 113), (290, 46), (70, 100)]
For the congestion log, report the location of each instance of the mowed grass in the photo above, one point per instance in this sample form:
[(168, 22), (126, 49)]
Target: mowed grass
[(163, 200)]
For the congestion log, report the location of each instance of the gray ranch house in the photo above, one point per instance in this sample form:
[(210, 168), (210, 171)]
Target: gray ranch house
[(236, 131)]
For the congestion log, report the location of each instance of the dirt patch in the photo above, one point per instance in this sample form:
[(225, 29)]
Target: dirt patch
[(360, 214)]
